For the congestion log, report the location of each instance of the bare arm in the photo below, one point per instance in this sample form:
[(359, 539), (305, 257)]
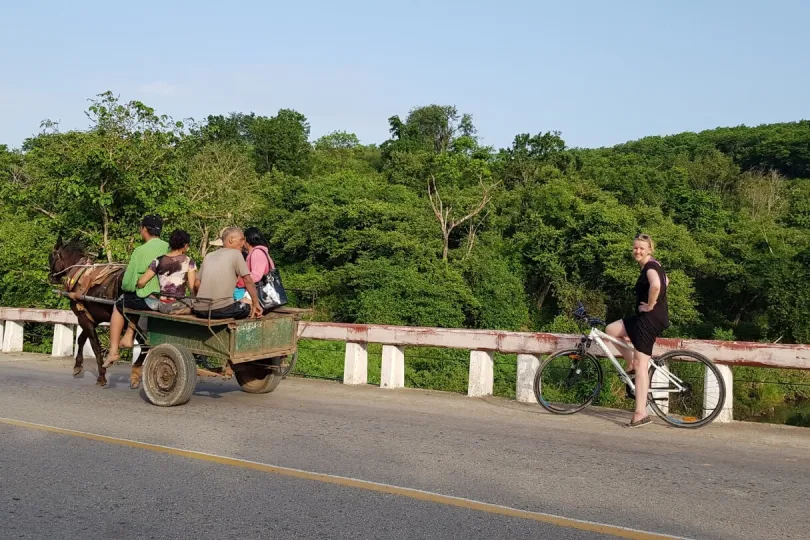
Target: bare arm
[(144, 279), (193, 282), (256, 311)]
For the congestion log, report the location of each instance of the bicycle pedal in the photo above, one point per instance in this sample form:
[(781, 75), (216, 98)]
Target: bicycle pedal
[(628, 392)]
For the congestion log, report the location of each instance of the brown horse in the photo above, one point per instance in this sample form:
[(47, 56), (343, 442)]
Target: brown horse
[(72, 266)]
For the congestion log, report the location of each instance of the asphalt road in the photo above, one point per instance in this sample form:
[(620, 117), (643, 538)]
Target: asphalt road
[(737, 481)]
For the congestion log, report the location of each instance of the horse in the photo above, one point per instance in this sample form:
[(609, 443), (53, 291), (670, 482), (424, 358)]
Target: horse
[(71, 266)]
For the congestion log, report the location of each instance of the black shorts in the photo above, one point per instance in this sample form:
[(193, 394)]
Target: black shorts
[(130, 300), (642, 332)]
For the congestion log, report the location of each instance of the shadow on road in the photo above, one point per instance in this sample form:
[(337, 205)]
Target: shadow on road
[(203, 390)]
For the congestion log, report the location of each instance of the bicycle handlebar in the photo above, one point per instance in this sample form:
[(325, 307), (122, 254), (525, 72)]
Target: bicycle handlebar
[(581, 314)]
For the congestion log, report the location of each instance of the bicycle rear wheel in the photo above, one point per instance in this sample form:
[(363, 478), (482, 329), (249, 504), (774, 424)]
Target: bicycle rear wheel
[(701, 397), (566, 382)]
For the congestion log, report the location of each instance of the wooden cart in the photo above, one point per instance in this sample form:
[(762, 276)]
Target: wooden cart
[(179, 348)]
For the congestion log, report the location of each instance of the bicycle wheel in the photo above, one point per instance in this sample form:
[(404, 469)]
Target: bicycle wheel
[(566, 382), (696, 396)]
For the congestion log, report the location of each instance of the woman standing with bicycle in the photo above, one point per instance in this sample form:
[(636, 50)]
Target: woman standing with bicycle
[(649, 322)]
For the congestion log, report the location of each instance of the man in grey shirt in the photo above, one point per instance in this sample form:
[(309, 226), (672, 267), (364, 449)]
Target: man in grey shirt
[(217, 280)]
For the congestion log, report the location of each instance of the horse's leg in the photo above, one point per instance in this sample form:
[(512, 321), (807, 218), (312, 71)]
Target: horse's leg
[(95, 342), (135, 374), (86, 329), (82, 339)]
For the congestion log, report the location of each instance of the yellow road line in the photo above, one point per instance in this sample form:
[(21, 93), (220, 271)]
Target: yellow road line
[(459, 502)]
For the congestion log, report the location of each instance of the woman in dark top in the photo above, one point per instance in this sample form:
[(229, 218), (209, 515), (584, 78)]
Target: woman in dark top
[(651, 318)]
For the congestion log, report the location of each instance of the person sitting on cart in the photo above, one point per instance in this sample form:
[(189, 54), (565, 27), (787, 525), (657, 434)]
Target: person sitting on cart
[(258, 262), (217, 279), (176, 272), (134, 297)]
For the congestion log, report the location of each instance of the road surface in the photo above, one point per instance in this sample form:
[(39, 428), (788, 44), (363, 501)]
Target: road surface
[(319, 459)]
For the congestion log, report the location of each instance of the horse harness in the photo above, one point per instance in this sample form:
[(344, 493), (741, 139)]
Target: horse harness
[(85, 274)]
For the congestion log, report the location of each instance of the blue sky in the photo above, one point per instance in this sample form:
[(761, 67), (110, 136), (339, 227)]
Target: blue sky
[(601, 72)]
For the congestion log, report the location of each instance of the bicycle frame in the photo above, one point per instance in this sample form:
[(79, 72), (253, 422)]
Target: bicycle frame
[(600, 337)]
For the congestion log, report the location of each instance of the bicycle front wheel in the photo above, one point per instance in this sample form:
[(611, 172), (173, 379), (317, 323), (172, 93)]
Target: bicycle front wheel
[(567, 382), (686, 389)]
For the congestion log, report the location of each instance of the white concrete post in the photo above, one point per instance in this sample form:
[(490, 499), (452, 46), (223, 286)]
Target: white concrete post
[(355, 364), (659, 380), (710, 394), (63, 340), (481, 373), (13, 337), (2, 324), (392, 374), (527, 365)]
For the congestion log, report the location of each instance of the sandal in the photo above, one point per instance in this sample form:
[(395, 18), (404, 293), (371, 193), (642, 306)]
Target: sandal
[(643, 422)]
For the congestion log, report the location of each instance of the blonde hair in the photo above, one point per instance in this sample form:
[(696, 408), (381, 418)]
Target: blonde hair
[(646, 238)]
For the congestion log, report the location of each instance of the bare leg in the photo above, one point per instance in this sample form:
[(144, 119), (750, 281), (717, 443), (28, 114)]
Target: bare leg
[(128, 341), (642, 383), (117, 323), (616, 329)]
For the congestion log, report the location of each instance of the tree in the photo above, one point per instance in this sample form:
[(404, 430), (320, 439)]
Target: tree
[(337, 140), (528, 154), (432, 128), (763, 193), (281, 142), (220, 188), (471, 200), (99, 182)]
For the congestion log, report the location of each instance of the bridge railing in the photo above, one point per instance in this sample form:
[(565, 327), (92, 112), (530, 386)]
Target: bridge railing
[(482, 344)]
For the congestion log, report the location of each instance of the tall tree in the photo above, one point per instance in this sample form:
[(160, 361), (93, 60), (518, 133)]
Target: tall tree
[(99, 182)]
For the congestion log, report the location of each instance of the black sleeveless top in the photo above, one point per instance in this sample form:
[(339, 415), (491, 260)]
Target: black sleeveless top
[(659, 316)]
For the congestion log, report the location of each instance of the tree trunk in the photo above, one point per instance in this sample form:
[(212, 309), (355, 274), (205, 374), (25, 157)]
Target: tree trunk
[(542, 298), (204, 242), (106, 239), (105, 220)]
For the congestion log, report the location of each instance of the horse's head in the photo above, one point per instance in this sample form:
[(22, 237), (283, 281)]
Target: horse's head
[(63, 257)]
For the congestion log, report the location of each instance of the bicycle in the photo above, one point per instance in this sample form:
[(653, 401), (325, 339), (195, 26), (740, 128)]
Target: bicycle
[(672, 396)]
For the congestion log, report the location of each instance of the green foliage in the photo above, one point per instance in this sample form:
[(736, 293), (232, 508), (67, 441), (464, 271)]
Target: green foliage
[(23, 262), (381, 291)]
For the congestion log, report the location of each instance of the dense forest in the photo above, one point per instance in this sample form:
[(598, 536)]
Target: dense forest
[(431, 227)]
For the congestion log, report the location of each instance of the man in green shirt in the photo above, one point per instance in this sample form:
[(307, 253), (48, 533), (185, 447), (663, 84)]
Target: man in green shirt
[(133, 297)]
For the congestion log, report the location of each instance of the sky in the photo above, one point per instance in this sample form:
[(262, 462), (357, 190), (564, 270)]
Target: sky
[(600, 72)]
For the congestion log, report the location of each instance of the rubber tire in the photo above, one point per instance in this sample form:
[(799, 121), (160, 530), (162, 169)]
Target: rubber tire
[(250, 379), (290, 366), (185, 379), (566, 352), (709, 365)]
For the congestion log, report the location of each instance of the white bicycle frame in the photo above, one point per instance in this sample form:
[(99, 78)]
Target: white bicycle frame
[(599, 337)]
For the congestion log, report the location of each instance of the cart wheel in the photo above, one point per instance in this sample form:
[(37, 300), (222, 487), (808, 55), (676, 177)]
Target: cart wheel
[(257, 377), (170, 375)]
